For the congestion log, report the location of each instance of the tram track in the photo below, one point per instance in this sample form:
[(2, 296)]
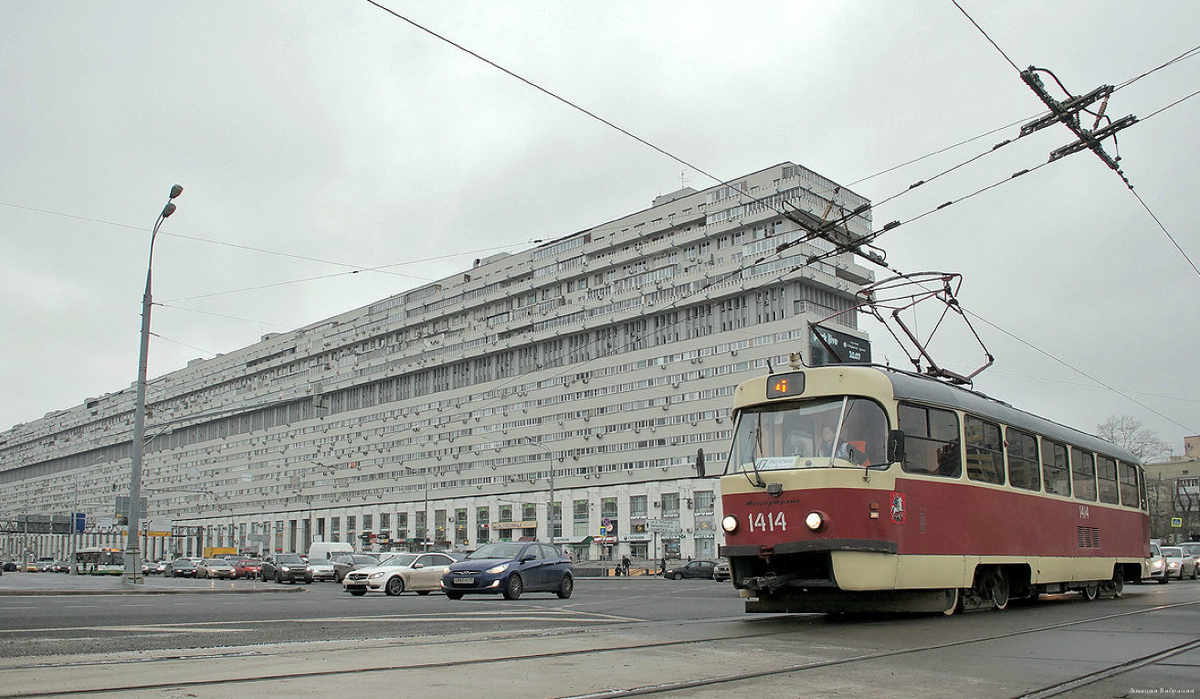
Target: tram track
[(661, 688), (1043, 693)]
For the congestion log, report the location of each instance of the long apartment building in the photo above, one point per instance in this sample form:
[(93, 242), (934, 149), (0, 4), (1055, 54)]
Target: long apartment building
[(559, 392)]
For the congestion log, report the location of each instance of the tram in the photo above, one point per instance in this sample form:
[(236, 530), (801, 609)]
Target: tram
[(100, 560), (860, 488)]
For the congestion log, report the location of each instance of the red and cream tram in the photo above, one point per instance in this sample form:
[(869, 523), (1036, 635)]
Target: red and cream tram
[(864, 489)]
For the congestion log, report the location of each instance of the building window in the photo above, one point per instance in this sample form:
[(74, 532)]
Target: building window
[(670, 505), (439, 525), (637, 506), (335, 529), (705, 501), (608, 508), (460, 525), (580, 518)]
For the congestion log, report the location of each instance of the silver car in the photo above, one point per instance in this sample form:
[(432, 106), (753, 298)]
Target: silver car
[(215, 568), (418, 572), (320, 570), (1180, 563)]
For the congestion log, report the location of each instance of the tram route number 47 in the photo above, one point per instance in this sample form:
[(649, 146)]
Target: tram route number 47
[(768, 521)]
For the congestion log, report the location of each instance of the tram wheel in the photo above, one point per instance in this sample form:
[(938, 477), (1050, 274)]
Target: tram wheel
[(1117, 585), (1091, 591), (997, 588), (952, 602)]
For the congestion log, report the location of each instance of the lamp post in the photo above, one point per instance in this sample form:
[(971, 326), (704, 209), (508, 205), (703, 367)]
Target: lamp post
[(425, 481), (550, 478), (133, 558)]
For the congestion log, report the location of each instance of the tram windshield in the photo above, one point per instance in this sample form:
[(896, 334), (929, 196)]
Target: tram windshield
[(821, 433)]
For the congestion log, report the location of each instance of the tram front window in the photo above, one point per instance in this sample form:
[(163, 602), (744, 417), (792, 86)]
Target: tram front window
[(830, 432)]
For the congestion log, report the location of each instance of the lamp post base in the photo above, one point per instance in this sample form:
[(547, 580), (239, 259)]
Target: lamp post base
[(132, 578)]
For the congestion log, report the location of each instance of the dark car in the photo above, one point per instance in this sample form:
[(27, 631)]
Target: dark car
[(181, 568), (284, 566), (510, 568), (345, 562), (693, 569)]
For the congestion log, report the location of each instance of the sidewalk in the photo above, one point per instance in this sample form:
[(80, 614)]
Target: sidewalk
[(64, 584)]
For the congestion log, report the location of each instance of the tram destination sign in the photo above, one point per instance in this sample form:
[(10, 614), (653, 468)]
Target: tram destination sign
[(833, 347)]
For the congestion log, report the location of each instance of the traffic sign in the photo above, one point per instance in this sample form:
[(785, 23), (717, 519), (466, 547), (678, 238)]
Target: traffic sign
[(662, 526)]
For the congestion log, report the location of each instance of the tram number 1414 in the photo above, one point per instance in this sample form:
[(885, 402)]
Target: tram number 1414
[(768, 522)]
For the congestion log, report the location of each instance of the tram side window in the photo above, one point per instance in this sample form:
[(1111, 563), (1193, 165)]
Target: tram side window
[(1023, 469), (1083, 474), (985, 451), (1106, 477), (1055, 470), (1129, 485), (931, 442)]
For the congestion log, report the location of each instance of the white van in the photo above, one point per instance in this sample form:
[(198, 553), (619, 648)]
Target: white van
[(324, 550)]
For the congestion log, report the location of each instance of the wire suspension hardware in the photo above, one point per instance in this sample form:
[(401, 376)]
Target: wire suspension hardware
[(903, 292), (1067, 113)]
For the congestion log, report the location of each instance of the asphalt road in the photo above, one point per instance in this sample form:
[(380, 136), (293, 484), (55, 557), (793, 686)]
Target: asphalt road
[(613, 638), (67, 624)]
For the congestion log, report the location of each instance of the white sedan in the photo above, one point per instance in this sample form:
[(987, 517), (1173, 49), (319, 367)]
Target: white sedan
[(418, 572)]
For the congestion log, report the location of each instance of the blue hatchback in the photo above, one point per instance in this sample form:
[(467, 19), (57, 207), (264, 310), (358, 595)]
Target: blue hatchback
[(510, 568)]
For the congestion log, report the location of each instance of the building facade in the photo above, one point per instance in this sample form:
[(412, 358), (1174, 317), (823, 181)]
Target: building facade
[(1173, 488), (559, 392)]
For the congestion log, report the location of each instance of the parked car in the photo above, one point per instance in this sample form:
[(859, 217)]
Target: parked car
[(285, 566), (1192, 547), (1180, 564), (319, 569), (692, 569), (10, 567), (345, 562), (247, 568), (416, 572), (721, 572), (215, 568), (510, 568), (180, 568)]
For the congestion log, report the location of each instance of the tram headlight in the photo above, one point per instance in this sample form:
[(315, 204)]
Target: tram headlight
[(815, 521), (729, 523)]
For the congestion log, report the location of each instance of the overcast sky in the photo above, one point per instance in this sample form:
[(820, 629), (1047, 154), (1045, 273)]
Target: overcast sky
[(316, 139)]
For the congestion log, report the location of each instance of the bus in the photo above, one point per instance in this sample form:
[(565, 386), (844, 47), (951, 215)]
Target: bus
[(100, 560), (861, 488)]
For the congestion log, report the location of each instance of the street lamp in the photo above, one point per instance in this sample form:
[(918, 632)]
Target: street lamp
[(425, 481), (550, 455), (133, 558)]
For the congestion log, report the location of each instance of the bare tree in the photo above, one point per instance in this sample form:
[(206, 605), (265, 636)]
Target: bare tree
[(1126, 431)]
